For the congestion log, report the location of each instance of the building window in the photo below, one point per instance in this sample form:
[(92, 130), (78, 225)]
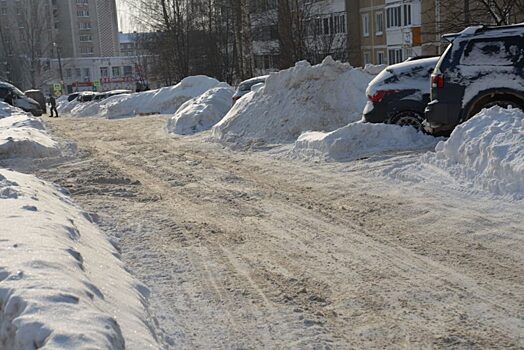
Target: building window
[(78, 73), (69, 73), (84, 25), (340, 23), (116, 71), (128, 71), (87, 50), (367, 58), (407, 15), (365, 24), (379, 23), (85, 38), (393, 17), (380, 57), (326, 26), (395, 56), (104, 72), (3, 11), (87, 74), (82, 13), (82, 2)]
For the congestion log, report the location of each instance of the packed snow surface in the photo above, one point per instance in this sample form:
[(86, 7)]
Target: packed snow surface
[(202, 112), (487, 151), (358, 140), (323, 97), (23, 136), (166, 100), (62, 285)]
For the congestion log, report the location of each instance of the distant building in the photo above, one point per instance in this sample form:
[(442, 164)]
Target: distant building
[(86, 28), (403, 29)]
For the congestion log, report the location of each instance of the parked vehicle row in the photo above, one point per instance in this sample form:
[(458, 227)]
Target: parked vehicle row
[(482, 67), (20, 100), (89, 96)]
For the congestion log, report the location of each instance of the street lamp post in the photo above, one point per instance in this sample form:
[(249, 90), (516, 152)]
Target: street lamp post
[(59, 66)]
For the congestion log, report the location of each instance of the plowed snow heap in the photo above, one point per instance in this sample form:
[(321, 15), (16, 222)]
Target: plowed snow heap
[(323, 97)]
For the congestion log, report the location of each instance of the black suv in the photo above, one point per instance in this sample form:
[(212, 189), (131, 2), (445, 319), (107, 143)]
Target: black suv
[(482, 67)]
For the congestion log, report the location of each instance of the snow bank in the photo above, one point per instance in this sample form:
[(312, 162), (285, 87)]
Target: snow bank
[(62, 285), (487, 151), (202, 112), (23, 136), (7, 110), (321, 97), (358, 140), (166, 100)]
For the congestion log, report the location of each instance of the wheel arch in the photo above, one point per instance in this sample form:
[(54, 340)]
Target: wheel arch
[(475, 104)]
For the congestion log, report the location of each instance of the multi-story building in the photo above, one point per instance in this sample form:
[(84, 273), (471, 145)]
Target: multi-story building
[(367, 35), (86, 28), (403, 29)]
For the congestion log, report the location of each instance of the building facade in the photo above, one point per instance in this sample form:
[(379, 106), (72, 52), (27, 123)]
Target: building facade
[(86, 28), (372, 34), (403, 29)]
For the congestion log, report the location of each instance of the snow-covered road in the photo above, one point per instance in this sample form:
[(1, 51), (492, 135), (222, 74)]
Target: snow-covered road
[(242, 250)]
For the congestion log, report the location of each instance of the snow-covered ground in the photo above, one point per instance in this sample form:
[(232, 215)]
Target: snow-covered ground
[(486, 153), (62, 285), (23, 136), (166, 100), (202, 112), (358, 140), (303, 98)]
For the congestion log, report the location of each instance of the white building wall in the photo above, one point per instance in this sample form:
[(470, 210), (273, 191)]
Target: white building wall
[(402, 35)]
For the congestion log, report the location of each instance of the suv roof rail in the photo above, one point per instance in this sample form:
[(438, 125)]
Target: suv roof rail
[(480, 28)]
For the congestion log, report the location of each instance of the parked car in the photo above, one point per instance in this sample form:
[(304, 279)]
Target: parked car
[(86, 96), (482, 67), (399, 94), (72, 96), (246, 86), (20, 100), (103, 95), (39, 97)]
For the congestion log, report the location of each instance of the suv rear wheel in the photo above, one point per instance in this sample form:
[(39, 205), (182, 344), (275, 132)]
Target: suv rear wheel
[(409, 118), (504, 101)]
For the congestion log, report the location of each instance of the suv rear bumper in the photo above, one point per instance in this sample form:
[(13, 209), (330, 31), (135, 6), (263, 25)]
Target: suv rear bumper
[(440, 116)]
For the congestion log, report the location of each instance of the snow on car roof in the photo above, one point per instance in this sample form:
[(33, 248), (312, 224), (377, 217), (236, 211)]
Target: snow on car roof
[(408, 66), (262, 77)]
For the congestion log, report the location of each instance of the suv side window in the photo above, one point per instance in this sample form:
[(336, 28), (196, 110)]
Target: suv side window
[(493, 52)]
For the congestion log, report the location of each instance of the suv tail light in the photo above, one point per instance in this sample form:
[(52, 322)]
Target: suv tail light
[(437, 81), (380, 94)]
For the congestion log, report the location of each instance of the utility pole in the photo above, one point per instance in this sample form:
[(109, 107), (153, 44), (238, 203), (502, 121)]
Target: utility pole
[(59, 66)]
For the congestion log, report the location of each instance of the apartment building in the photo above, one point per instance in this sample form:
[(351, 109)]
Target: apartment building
[(367, 32), (86, 28), (317, 29), (403, 29)]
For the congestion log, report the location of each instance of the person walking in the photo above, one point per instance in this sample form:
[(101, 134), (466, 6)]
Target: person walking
[(52, 103)]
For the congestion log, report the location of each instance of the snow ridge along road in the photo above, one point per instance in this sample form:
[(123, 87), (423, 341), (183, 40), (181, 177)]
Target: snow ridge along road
[(242, 251)]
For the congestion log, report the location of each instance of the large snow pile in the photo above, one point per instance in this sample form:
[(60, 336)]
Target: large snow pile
[(323, 97), (62, 285), (202, 112), (358, 140), (23, 136), (487, 151), (7, 110), (166, 100)]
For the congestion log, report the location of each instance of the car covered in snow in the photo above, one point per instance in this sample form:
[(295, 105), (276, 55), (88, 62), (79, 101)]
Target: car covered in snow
[(399, 94), (245, 86), (20, 100), (482, 67)]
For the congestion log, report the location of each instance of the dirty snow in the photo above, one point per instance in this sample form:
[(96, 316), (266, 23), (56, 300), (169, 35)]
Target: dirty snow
[(62, 285), (202, 112), (323, 97), (165, 100), (359, 140), (23, 136)]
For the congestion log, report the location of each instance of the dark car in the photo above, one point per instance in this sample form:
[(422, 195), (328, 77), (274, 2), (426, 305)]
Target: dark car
[(72, 96), (246, 86), (482, 67), (399, 94), (39, 97)]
